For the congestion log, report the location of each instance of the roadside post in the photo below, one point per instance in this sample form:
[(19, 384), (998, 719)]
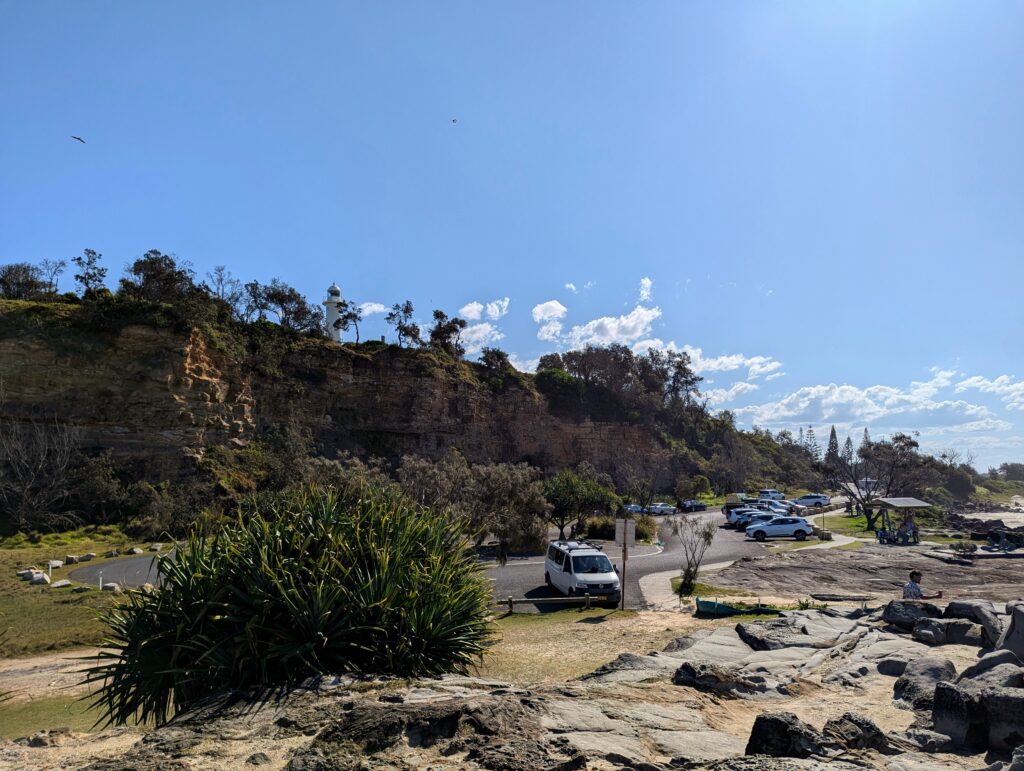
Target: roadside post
[(625, 535)]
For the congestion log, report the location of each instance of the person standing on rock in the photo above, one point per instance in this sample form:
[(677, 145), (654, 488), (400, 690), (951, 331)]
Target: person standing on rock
[(912, 589)]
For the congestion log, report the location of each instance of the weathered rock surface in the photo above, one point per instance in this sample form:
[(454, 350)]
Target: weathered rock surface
[(981, 612), (984, 717), (784, 735), (1012, 638), (942, 631), (905, 613), (1000, 669), (871, 570), (60, 584), (916, 686), (626, 714)]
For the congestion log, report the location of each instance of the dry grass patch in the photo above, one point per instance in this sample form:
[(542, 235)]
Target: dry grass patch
[(564, 644)]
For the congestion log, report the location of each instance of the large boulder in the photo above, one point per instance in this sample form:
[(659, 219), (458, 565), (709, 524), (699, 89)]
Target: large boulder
[(783, 735), (999, 669), (857, 732), (940, 631), (60, 584), (1012, 638), (924, 740), (916, 686), (981, 612), (905, 613), (39, 578), (980, 717), (930, 631)]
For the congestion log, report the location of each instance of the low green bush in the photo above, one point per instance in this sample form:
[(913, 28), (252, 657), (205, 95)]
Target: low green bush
[(358, 581), (603, 527)]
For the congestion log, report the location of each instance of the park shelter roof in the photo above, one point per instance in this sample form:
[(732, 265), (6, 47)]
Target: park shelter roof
[(902, 503)]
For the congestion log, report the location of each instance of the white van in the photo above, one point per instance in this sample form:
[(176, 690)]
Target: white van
[(576, 568), (770, 495)]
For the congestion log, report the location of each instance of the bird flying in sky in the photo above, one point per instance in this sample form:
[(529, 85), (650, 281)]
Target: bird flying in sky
[(79, 139)]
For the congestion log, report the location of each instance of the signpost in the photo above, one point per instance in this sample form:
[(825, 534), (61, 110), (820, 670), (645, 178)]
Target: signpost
[(625, 536)]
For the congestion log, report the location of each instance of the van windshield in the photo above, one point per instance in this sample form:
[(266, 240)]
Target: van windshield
[(591, 563)]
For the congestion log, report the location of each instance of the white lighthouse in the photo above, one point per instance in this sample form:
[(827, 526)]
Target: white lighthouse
[(333, 312)]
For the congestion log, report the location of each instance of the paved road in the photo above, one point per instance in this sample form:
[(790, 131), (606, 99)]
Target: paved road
[(526, 578), (518, 578)]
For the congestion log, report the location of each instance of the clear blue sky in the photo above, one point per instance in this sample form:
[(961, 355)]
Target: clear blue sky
[(833, 191)]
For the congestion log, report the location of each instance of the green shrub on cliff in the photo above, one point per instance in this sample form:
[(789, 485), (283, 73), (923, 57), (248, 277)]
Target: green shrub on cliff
[(360, 581)]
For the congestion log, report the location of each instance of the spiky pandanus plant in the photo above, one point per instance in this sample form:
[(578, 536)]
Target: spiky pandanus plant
[(358, 581)]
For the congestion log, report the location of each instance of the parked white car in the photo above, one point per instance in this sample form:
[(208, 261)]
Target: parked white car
[(770, 494), (576, 568), (632, 508), (780, 527), (813, 499), (661, 508), (778, 507)]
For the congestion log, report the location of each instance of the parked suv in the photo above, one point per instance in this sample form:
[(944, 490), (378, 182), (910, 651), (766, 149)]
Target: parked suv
[(813, 499), (780, 527), (576, 568), (770, 494)]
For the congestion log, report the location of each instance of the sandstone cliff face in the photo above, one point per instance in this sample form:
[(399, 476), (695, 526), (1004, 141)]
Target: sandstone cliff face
[(160, 397)]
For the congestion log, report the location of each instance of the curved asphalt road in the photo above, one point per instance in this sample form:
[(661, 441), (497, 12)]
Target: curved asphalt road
[(517, 578)]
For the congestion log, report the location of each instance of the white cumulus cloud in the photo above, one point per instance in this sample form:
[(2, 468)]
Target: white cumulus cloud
[(615, 329), (646, 286), (497, 308), (572, 288), (368, 309), (523, 365), (717, 396), (548, 315), (476, 337), (549, 311), (472, 310), (1009, 389)]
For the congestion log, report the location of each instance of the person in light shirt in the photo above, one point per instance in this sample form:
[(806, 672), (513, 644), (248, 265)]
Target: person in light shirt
[(912, 589)]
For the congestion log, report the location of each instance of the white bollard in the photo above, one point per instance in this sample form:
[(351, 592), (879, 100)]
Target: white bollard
[(101, 581)]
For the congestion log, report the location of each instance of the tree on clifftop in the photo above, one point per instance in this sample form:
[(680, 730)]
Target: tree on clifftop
[(293, 311), (158, 278), (400, 318), (349, 316), (446, 334), (90, 275)]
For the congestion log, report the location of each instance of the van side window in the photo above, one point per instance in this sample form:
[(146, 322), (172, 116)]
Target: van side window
[(555, 555)]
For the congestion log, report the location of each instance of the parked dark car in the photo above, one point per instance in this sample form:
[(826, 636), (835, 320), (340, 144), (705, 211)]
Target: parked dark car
[(692, 505)]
